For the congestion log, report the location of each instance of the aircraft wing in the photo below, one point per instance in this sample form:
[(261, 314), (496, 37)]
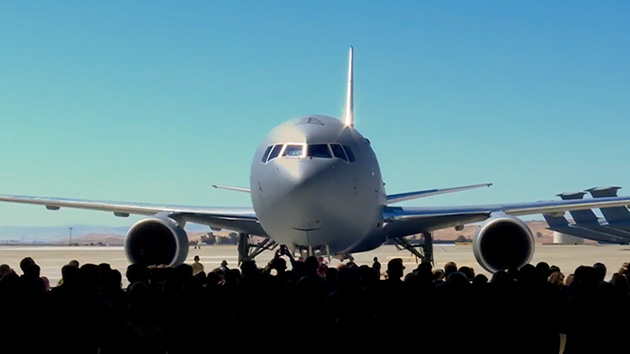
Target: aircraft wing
[(403, 221), (237, 219)]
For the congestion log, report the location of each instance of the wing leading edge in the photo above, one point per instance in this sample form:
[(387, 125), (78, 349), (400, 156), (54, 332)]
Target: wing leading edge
[(395, 198), (237, 219), (403, 221)]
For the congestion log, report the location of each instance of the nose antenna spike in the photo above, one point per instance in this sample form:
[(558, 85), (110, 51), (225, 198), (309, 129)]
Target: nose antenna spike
[(348, 119)]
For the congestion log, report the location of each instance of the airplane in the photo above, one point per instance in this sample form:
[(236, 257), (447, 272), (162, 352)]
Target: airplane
[(586, 219), (615, 229), (562, 225), (617, 217), (316, 187)]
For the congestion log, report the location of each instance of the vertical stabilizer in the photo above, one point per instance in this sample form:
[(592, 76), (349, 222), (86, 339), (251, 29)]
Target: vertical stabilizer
[(348, 119)]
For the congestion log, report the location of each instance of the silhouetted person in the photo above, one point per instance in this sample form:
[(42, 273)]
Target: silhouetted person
[(136, 334), (347, 307), (197, 266), (351, 263), (224, 266), (438, 277), (585, 321), (309, 294), (25, 263), (449, 267), (468, 272), (5, 269), (392, 291), (377, 265), (600, 272), (137, 273)]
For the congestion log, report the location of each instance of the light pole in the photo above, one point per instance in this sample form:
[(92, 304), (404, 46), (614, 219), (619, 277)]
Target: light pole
[(70, 239)]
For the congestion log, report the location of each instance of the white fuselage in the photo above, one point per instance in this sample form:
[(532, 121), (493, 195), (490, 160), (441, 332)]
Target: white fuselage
[(311, 192)]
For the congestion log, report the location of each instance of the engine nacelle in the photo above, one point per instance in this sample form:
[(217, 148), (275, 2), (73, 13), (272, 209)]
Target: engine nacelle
[(157, 241), (503, 242)]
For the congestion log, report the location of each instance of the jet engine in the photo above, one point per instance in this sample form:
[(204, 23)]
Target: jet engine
[(503, 242), (157, 241)]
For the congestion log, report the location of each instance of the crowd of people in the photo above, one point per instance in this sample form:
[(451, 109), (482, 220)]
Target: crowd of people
[(184, 309)]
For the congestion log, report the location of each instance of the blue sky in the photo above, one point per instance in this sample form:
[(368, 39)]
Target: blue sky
[(155, 101)]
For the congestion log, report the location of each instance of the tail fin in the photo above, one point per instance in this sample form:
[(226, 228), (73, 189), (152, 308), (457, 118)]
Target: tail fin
[(614, 214), (585, 216), (348, 119)]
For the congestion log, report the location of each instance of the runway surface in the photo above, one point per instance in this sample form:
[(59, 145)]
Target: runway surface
[(567, 257)]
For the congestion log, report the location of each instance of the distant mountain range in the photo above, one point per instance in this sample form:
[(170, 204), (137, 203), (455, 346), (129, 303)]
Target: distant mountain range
[(80, 233), (115, 235)]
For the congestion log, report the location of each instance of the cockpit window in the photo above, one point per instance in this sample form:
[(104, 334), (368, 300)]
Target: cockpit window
[(297, 150), (266, 154), (293, 150), (275, 152), (338, 151), (318, 150), (349, 153)]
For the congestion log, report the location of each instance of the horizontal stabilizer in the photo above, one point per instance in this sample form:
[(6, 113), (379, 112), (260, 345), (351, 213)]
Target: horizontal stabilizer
[(395, 198), (230, 188)]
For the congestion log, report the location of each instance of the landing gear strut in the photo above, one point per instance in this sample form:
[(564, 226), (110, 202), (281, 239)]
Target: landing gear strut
[(249, 248), (422, 249)]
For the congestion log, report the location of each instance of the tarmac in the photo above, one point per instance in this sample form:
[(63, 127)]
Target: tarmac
[(568, 257)]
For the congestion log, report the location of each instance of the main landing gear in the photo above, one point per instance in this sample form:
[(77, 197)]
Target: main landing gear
[(422, 249)]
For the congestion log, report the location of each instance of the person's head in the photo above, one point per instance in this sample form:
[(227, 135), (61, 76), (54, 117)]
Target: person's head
[(279, 264), (569, 279), (468, 272), (457, 279), (556, 278), (25, 263), (449, 268), (224, 263), (620, 282), (4, 269), (137, 272), (70, 275), (74, 263), (543, 270), (438, 275), (480, 280), (196, 258), (184, 270), (600, 271), (32, 271), (311, 265), (249, 268), (395, 268)]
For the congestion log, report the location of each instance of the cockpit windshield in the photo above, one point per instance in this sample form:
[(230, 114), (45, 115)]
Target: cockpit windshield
[(275, 152), (293, 150), (297, 150), (318, 150)]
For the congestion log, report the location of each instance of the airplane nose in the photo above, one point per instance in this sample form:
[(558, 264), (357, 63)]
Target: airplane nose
[(297, 173), (306, 185)]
